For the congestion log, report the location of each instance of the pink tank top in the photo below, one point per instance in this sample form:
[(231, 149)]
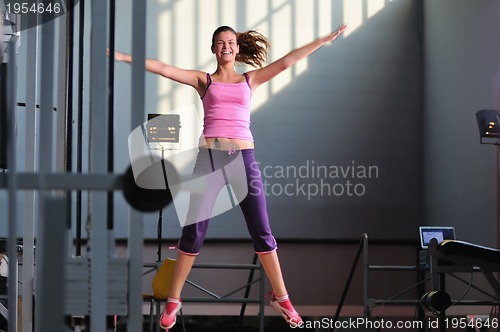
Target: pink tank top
[(227, 109)]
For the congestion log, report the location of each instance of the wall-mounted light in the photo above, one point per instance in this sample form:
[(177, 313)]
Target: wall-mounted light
[(489, 126)]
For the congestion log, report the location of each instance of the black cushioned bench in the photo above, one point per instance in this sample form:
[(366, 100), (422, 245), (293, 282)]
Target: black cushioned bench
[(466, 256)]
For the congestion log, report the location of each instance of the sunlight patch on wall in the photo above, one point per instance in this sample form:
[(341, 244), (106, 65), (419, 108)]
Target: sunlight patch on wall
[(185, 47), (304, 32), (228, 14), (255, 14), (207, 22), (184, 34), (164, 54), (281, 40), (279, 3), (258, 18), (353, 15), (374, 6), (324, 20)]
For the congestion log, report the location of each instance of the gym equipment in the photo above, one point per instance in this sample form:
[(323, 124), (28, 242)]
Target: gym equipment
[(141, 198)]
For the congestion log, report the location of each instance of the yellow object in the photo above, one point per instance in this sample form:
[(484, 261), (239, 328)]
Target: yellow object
[(162, 280)]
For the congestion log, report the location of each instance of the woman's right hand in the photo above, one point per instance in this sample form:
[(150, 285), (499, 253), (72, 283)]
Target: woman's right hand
[(337, 33)]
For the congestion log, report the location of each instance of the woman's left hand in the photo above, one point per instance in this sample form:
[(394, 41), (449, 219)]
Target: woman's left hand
[(337, 33)]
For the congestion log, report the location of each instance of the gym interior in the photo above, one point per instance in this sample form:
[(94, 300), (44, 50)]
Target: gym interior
[(378, 155)]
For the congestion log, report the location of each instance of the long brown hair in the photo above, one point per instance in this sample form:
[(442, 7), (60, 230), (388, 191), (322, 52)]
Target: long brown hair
[(253, 46)]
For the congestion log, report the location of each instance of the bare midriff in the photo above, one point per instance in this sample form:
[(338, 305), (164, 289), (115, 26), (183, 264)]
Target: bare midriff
[(226, 144)]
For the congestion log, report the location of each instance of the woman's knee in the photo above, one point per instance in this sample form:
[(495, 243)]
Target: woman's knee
[(192, 238)]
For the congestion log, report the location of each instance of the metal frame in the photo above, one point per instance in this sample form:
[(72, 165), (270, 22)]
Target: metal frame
[(41, 183), (51, 266), (12, 188), (135, 243), (368, 302), (437, 271), (226, 298), (214, 298), (30, 197)]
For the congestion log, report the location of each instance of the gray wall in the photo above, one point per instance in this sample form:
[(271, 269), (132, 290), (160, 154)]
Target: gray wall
[(462, 63)]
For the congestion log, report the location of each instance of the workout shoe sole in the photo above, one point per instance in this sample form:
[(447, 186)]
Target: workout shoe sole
[(291, 317), (169, 326)]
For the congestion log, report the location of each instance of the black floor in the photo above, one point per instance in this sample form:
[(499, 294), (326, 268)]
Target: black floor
[(229, 324)]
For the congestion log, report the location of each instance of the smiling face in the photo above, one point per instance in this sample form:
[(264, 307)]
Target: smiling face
[(225, 47)]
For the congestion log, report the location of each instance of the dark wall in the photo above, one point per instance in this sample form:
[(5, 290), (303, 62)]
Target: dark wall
[(462, 76)]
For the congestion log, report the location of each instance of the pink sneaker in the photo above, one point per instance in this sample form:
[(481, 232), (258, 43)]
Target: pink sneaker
[(169, 314), (285, 307)]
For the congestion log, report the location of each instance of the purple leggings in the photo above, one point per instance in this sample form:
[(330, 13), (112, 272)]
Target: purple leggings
[(253, 205)]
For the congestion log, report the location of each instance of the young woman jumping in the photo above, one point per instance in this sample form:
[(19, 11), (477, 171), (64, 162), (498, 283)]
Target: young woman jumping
[(226, 95)]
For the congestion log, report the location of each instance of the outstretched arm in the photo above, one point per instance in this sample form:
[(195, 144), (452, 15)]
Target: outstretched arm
[(262, 75), (194, 78)]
